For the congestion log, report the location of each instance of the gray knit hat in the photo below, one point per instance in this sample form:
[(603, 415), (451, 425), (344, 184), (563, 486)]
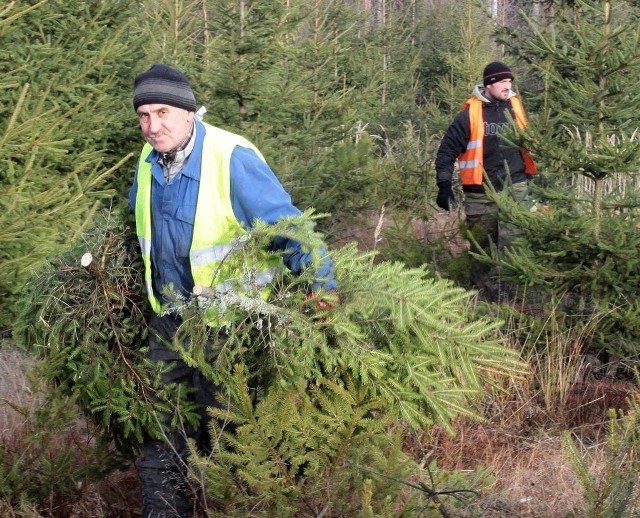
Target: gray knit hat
[(162, 84)]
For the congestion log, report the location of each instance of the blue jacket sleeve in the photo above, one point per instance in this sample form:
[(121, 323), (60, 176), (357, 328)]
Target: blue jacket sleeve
[(257, 194), (133, 191)]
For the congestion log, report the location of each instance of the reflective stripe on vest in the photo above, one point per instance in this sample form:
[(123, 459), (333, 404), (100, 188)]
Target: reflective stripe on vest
[(471, 160), (217, 234)]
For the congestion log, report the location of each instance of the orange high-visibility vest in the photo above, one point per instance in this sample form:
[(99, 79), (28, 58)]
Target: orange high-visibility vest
[(471, 160)]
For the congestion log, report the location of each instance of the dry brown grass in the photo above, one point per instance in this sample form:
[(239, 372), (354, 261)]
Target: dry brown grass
[(521, 446), (16, 395), (118, 496), (532, 475), (9, 511)]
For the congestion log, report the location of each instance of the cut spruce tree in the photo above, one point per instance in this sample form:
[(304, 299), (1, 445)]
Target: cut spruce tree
[(83, 315), (390, 350)]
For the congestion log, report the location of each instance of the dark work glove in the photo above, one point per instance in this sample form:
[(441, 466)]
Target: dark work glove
[(445, 195)]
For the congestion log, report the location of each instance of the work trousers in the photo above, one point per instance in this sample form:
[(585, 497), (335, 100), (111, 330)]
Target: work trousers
[(484, 223), (162, 468)]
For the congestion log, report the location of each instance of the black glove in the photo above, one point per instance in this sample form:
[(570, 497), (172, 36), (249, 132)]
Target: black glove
[(445, 195)]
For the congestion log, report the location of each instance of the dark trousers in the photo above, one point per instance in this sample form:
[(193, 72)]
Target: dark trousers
[(484, 222), (162, 468)]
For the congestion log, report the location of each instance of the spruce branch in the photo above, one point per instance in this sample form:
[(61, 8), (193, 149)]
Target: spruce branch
[(87, 324), (402, 333)]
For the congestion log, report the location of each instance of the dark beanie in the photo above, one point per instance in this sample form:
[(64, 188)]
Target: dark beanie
[(162, 84), (494, 72)]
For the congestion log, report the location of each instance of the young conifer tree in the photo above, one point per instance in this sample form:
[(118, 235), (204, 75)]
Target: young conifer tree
[(361, 62), (61, 132), (332, 168), (461, 47), (584, 248), (246, 82)]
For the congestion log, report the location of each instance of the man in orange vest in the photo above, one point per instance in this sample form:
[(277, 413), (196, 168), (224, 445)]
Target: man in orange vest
[(473, 139)]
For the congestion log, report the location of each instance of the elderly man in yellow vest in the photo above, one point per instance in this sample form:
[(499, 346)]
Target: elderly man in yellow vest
[(473, 139), (197, 190)]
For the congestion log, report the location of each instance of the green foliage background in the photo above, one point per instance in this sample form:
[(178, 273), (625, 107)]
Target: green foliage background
[(63, 130), (347, 105), (583, 250)]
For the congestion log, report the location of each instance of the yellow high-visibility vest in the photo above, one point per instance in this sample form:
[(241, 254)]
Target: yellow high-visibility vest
[(216, 254)]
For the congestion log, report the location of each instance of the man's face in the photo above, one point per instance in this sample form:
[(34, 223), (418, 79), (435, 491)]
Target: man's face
[(164, 127), (498, 91)]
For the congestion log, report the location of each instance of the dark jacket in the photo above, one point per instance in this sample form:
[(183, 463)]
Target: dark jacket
[(500, 158)]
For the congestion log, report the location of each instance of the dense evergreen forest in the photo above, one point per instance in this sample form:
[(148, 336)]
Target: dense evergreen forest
[(417, 396)]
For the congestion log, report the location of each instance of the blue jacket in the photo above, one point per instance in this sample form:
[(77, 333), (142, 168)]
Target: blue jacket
[(256, 194)]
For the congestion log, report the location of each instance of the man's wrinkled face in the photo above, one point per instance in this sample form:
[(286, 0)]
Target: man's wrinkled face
[(498, 91), (164, 127)]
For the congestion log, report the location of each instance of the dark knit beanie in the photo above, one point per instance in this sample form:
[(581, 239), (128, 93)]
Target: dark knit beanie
[(162, 84), (494, 72)]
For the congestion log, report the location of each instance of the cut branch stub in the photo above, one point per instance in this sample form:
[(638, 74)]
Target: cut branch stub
[(91, 266), (100, 275), (203, 291)]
